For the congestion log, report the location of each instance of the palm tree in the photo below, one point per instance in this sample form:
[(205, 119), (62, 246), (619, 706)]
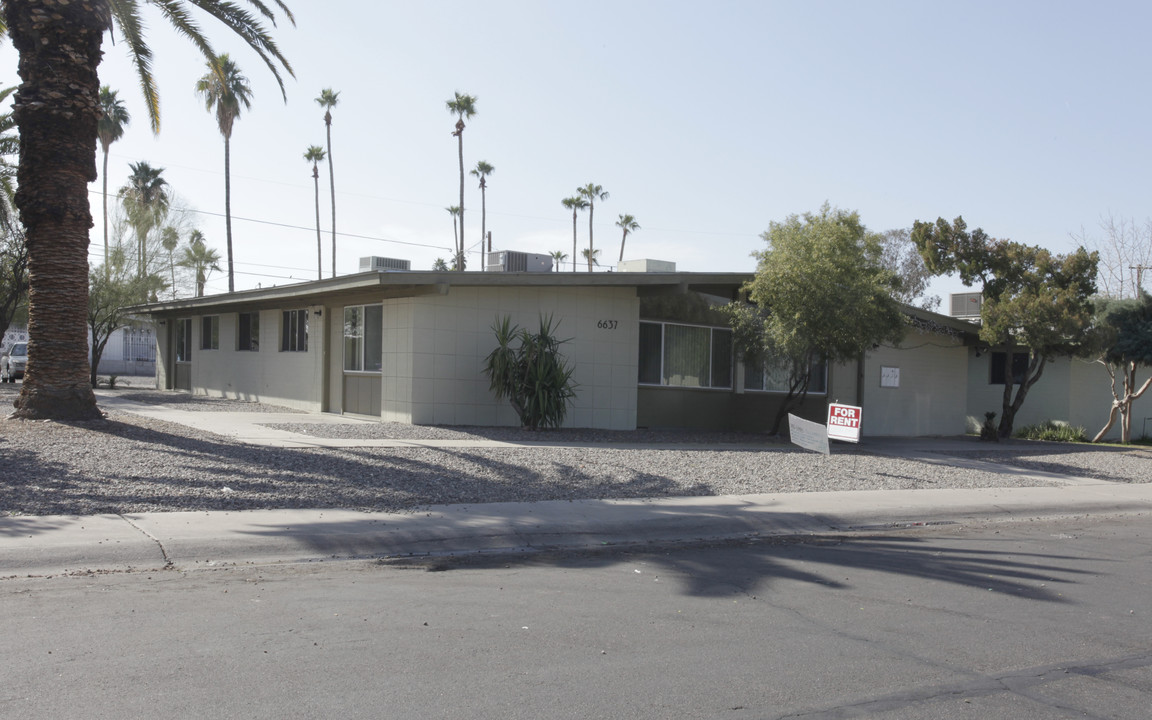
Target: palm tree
[(591, 192), (145, 199), (439, 265), (454, 211), (110, 128), (314, 155), (170, 240), (482, 171), (592, 256), (224, 91), (463, 107), (200, 259), (559, 256), (9, 150), (629, 224), (575, 204), (328, 100), (57, 110)]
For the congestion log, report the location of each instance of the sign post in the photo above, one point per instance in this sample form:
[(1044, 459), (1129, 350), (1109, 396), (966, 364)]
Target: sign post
[(844, 422)]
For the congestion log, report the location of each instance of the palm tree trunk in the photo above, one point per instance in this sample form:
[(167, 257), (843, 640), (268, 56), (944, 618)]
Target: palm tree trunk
[(591, 210), (319, 267), (460, 242), (56, 112), (332, 185), (574, 255), (105, 177), (622, 241), (228, 209), (483, 218)]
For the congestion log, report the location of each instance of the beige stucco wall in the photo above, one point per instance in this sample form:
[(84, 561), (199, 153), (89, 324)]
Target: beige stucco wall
[(435, 345), (931, 397), (1091, 400), (291, 379)]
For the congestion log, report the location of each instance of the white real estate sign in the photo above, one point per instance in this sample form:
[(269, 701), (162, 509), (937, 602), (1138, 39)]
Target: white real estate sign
[(844, 422), (807, 434)]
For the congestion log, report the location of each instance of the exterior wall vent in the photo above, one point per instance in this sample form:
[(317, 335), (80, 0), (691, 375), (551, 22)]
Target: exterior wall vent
[(383, 264), (967, 305), (646, 266), (512, 261)]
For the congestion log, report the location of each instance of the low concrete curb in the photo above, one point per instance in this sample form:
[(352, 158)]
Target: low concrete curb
[(189, 540)]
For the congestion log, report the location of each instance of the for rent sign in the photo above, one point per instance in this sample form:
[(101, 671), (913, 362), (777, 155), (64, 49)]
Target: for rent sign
[(844, 422)]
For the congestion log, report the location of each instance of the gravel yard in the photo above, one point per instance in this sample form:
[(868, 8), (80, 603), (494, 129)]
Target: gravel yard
[(128, 464)]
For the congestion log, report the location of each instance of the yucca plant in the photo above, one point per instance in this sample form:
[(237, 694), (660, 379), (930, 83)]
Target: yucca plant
[(533, 375)]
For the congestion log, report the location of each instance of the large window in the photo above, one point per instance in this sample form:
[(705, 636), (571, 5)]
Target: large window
[(248, 331), (685, 355), (363, 338), (775, 375), (1000, 362), (294, 331), (183, 331), (210, 332)]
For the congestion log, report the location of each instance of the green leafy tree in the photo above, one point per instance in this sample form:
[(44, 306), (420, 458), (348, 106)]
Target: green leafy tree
[(820, 293), (225, 91), (200, 259), (315, 155), (13, 249), (899, 254), (1033, 300), (629, 225), (528, 369), (591, 192), (114, 118), (464, 108), (112, 290), (1125, 334), (575, 203), (329, 99), (482, 171), (146, 201), (57, 111)]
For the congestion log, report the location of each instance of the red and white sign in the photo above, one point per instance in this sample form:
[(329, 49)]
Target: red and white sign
[(844, 422)]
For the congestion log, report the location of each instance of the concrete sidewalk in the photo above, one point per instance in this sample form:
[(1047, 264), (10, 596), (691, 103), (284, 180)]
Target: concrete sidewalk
[(48, 545), (189, 540)]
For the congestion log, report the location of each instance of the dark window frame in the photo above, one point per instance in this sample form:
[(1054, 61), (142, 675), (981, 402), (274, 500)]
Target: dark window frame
[(248, 331), (294, 330), (210, 332)]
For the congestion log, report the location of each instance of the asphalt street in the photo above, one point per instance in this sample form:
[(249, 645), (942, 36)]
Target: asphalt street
[(1034, 619)]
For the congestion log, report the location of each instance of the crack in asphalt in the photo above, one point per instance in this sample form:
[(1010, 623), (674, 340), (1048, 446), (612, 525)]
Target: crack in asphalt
[(163, 551)]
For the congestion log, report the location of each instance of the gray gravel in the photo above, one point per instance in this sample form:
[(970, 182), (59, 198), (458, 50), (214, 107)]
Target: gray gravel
[(128, 464)]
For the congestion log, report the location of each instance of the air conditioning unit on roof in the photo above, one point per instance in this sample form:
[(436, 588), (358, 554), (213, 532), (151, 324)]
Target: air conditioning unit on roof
[(967, 305), (512, 261), (383, 264)]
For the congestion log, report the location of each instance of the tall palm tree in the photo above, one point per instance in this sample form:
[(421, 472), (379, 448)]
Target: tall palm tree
[(482, 171), (328, 100), (145, 199), (575, 204), (559, 256), (110, 128), (463, 107), (225, 90), (57, 110), (591, 192), (315, 154), (592, 256), (454, 211), (200, 259), (170, 240), (629, 224)]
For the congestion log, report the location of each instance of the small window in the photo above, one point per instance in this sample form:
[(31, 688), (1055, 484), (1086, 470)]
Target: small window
[(210, 332), (363, 338), (685, 355), (294, 331), (184, 340), (1019, 367), (248, 329)]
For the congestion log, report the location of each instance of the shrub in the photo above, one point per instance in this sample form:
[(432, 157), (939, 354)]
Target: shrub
[(988, 431), (533, 375), (1052, 431)]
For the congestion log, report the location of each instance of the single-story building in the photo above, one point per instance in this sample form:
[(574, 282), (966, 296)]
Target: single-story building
[(647, 346)]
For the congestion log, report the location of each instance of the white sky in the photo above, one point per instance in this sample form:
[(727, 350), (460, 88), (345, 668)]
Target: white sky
[(705, 121)]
